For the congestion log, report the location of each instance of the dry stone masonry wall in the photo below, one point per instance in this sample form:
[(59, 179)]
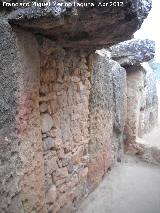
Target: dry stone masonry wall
[(64, 108)]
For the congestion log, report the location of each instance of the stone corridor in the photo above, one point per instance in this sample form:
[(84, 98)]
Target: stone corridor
[(74, 96)]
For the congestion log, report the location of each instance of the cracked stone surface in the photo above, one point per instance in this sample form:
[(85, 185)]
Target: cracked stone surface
[(133, 52), (86, 27)]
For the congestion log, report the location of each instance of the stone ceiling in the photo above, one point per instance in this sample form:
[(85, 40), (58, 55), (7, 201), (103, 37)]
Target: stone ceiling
[(91, 27)]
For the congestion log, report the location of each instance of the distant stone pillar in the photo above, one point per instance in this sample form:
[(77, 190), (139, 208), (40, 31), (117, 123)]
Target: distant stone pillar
[(142, 102), (135, 103)]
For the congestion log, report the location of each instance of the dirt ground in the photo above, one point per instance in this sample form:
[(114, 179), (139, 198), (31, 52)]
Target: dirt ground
[(132, 186)]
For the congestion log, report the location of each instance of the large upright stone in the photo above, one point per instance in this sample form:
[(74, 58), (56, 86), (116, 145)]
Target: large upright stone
[(21, 162), (149, 110), (135, 93), (142, 105), (107, 115), (133, 52)]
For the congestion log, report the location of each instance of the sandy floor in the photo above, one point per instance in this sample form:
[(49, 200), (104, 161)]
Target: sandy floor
[(131, 187)]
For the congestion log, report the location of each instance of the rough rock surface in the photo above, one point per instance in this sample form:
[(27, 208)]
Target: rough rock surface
[(21, 162), (133, 52), (97, 25), (149, 109), (135, 100), (107, 116), (149, 121), (119, 78), (64, 100), (9, 159), (101, 121), (142, 103)]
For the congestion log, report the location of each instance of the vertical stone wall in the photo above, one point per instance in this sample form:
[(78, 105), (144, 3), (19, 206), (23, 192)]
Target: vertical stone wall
[(10, 162), (107, 116), (151, 100), (21, 162), (135, 100), (28, 124), (119, 78), (142, 104), (101, 121), (64, 108)]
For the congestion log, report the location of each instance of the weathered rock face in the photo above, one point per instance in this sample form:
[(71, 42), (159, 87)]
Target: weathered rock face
[(21, 162), (120, 108), (9, 160), (135, 102), (142, 102), (97, 25), (149, 108), (142, 106), (107, 116), (133, 52), (101, 121)]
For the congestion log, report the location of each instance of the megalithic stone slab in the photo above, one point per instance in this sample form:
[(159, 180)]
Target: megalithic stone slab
[(133, 52), (84, 25)]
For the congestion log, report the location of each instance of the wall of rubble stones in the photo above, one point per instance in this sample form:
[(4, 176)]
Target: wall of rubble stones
[(64, 107)]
